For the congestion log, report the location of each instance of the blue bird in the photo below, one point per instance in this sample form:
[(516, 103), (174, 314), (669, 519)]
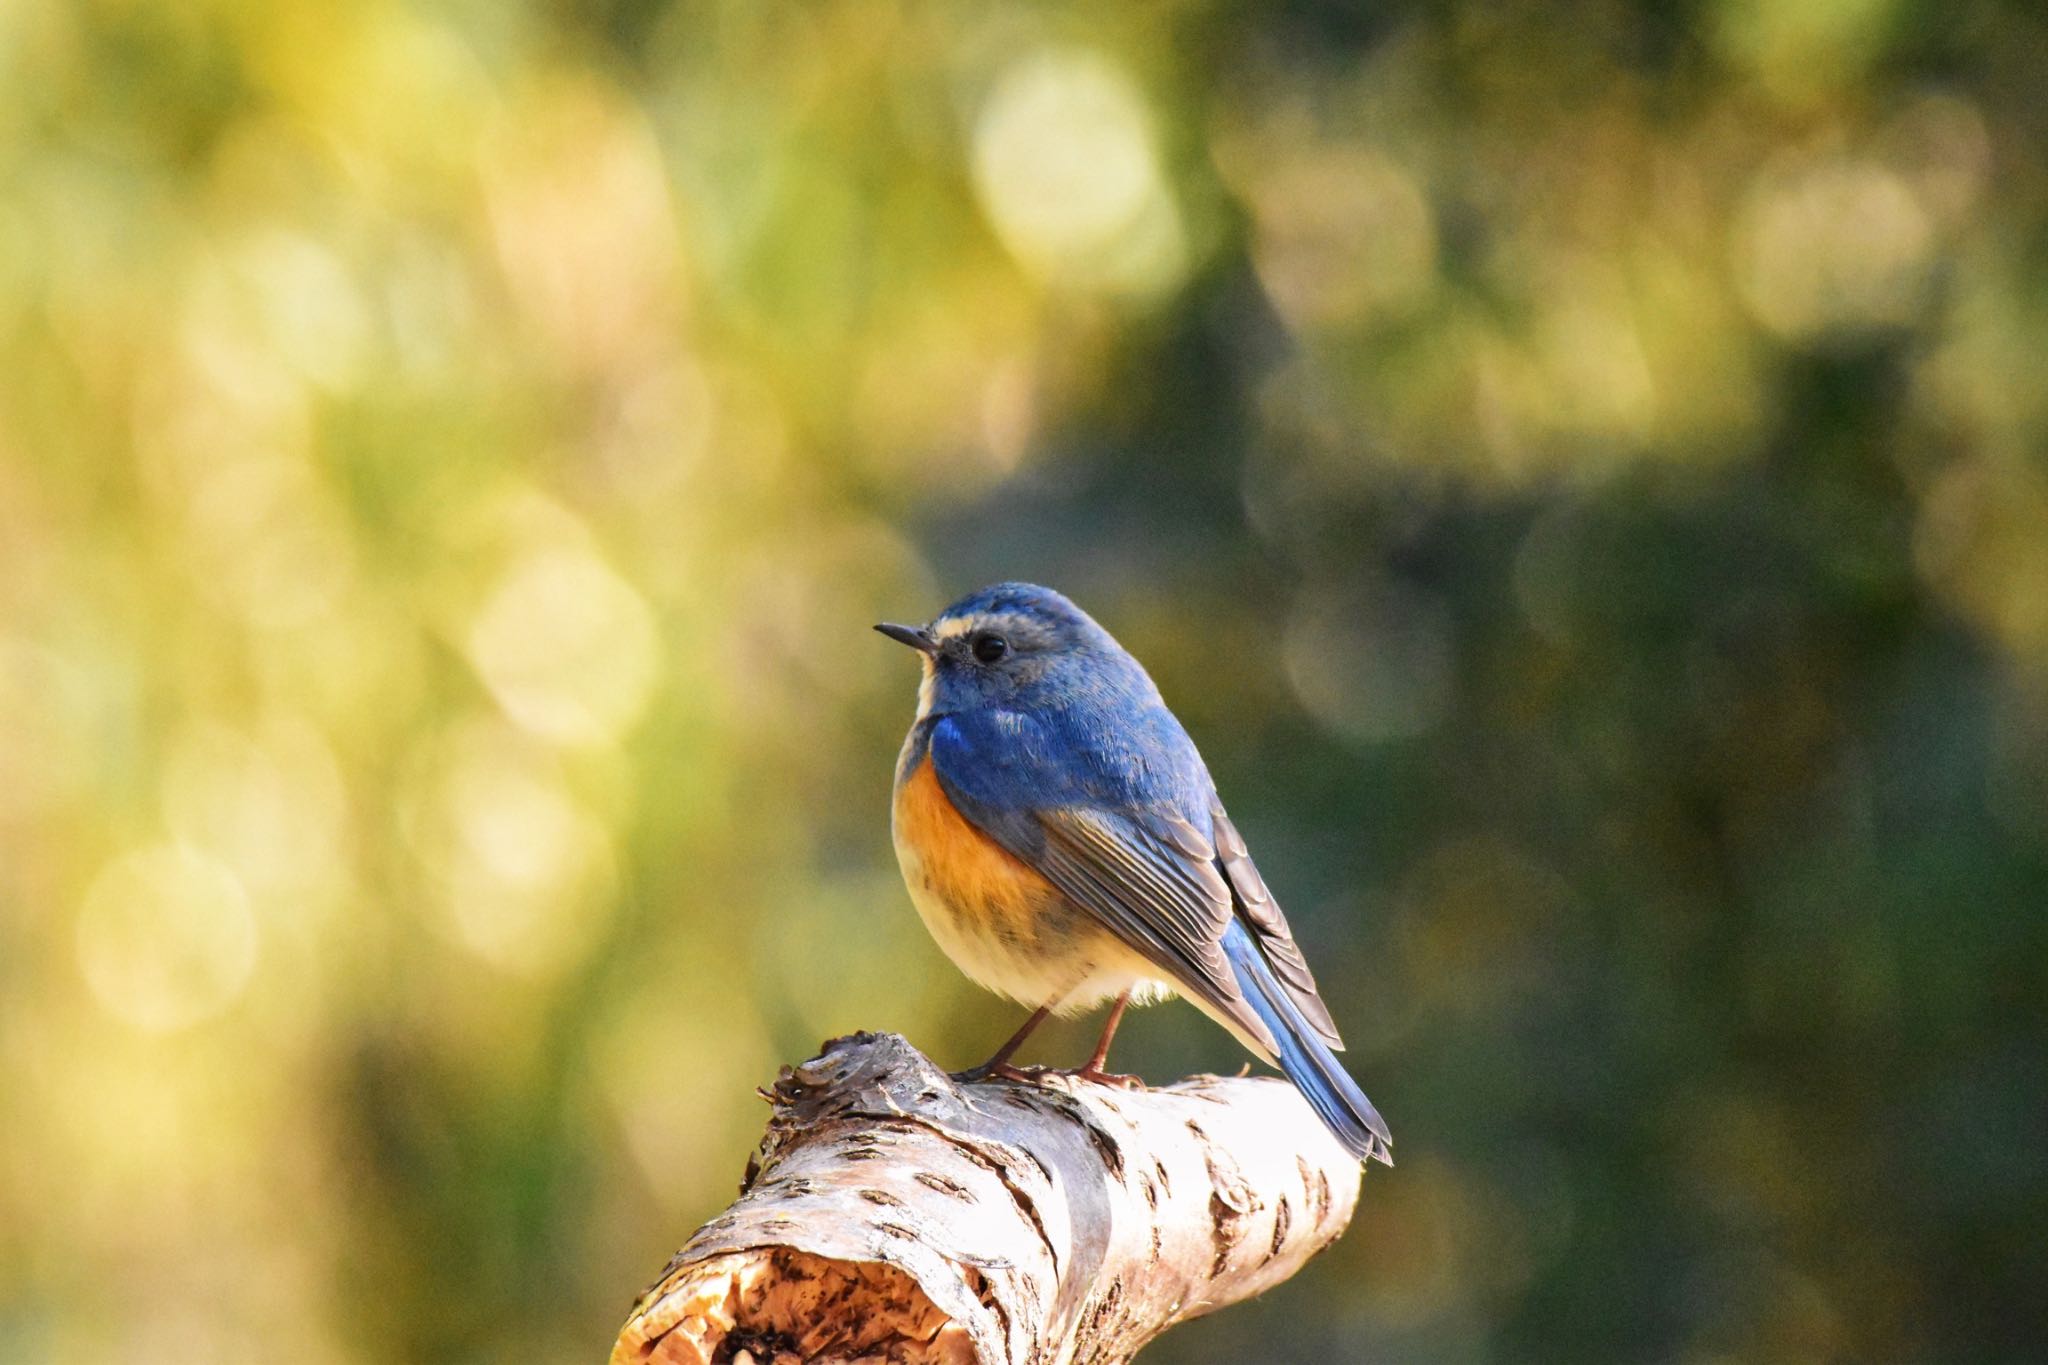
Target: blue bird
[(1063, 842)]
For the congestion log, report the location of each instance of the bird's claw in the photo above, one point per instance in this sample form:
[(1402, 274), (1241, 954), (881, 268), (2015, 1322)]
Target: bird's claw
[(1100, 1077)]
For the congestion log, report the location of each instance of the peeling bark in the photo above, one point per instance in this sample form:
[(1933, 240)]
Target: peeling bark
[(895, 1214)]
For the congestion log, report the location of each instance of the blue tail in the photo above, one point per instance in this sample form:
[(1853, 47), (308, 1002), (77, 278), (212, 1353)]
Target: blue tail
[(1306, 1059)]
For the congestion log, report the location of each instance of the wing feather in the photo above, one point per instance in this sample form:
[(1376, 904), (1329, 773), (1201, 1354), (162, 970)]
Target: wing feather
[(1121, 839), (1270, 927), (1154, 881)]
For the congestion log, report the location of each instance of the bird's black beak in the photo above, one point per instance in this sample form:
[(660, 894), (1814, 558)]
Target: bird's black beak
[(917, 637)]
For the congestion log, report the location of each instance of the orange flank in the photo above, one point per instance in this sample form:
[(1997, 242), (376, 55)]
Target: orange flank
[(981, 883), (1000, 922)]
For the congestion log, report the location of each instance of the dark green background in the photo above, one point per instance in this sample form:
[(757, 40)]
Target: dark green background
[(1578, 471)]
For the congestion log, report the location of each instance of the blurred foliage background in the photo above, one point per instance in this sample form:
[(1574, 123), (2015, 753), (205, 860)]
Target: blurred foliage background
[(1581, 472)]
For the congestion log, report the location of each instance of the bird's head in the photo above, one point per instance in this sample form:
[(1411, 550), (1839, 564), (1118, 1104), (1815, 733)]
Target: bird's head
[(1013, 645)]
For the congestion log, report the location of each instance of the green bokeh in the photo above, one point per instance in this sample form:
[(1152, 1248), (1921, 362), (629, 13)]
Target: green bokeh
[(1580, 472)]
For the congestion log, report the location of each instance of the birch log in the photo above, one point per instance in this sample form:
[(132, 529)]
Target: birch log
[(894, 1214)]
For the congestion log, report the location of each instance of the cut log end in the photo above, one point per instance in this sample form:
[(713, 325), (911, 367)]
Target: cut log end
[(777, 1306)]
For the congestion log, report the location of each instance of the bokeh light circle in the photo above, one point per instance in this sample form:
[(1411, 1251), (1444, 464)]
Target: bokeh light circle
[(1065, 166), (566, 646), (166, 938)]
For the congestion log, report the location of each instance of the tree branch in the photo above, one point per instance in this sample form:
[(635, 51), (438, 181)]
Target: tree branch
[(895, 1214)]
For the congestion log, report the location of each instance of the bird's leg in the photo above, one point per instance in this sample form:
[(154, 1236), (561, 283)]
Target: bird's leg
[(1091, 1070), (1116, 1016), (999, 1065)]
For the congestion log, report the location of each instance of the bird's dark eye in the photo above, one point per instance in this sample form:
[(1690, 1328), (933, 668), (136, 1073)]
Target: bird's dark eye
[(989, 647)]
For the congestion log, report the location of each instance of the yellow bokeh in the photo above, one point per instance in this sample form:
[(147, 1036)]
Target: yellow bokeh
[(1579, 478), (166, 938)]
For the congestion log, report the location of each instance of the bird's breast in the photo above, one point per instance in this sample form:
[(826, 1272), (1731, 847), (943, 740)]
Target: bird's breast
[(945, 856), (1004, 925)]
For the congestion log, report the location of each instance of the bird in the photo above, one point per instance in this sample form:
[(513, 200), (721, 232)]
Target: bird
[(1063, 842)]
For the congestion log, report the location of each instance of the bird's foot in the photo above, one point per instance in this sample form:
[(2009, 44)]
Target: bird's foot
[(1101, 1077)]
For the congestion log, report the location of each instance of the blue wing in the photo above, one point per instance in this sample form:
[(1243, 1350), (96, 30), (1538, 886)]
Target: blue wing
[(1125, 821), (1305, 1057), (1110, 829)]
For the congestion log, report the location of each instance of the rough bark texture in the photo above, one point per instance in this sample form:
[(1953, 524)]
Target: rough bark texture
[(895, 1214)]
